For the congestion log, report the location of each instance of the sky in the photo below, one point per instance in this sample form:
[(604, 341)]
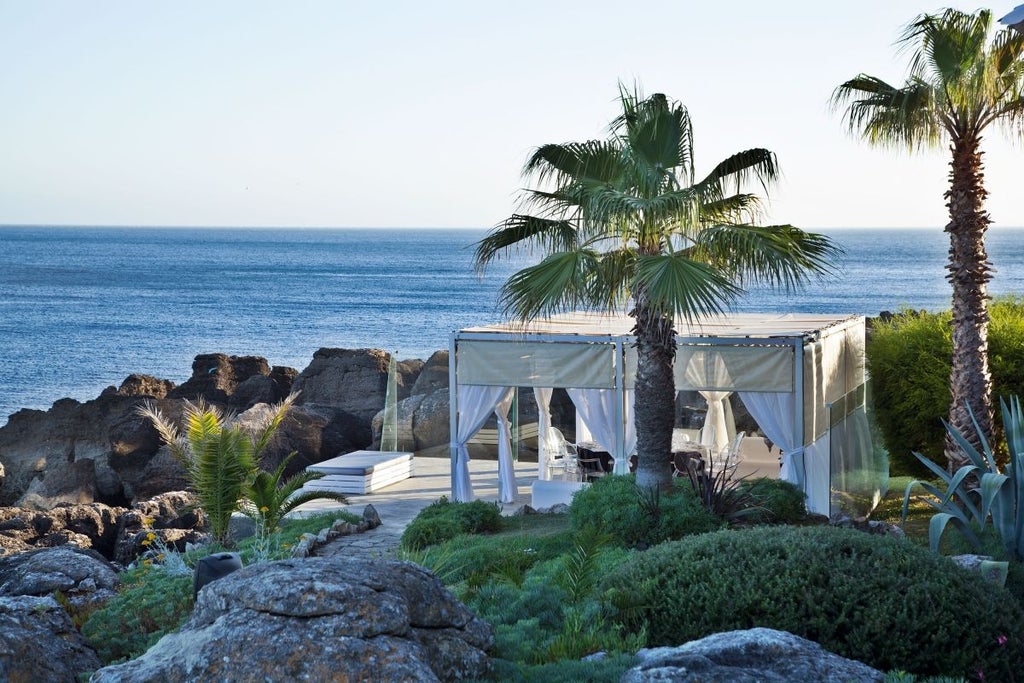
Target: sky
[(420, 114)]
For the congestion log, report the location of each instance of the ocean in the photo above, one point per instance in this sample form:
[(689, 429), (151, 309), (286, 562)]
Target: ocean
[(81, 308)]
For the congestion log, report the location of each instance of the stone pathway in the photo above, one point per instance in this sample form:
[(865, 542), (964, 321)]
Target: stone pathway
[(398, 504)]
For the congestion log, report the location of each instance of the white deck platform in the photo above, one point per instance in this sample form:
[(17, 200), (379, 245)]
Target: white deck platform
[(361, 471)]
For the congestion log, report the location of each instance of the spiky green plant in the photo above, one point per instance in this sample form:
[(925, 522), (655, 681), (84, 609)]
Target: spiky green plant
[(999, 495), (220, 458), (268, 499)]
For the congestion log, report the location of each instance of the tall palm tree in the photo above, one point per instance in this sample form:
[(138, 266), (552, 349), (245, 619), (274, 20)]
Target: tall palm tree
[(960, 82), (626, 223)]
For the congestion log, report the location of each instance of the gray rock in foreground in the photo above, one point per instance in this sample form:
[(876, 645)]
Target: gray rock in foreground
[(65, 569), (760, 655), (321, 619), (39, 643)]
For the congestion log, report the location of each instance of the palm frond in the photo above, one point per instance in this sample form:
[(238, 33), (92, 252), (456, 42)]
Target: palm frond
[(521, 231), (739, 169), (599, 160), (779, 255), (679, 287), (269, 426), (886, 115), (561, 282)]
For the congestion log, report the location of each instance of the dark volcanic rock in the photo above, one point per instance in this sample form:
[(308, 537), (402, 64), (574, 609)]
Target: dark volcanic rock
[(433, 376), (39, 643), (87, 526), (319, 619), (352, 381), (215, 376), (145, 386)]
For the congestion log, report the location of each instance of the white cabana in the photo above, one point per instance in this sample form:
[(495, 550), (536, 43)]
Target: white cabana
[(789, 371)]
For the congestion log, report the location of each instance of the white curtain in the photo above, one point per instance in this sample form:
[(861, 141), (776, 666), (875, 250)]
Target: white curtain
[(775, 414), (506, 469), (598, 410), (475, 406), (817, 470), (543, 396), (719, 426), (622, 464)]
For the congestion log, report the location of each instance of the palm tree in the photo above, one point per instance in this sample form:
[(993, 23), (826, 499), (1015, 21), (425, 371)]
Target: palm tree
[(269, 497), (626, 223), (220, 458), (960, 82)]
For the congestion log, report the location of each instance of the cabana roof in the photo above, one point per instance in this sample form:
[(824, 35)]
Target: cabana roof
[(807, 326)]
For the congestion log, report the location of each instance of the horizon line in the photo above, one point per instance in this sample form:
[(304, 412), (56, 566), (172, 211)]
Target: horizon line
[(406, 227)]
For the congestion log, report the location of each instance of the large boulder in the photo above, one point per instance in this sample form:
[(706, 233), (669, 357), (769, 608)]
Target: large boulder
[(215, 376), (433, 375), (319, 619), (759, 655), (66, 569), (39, 643), (352, 381), (73, 452)]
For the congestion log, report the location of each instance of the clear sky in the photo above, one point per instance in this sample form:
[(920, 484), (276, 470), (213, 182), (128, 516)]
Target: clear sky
[(421, 114)]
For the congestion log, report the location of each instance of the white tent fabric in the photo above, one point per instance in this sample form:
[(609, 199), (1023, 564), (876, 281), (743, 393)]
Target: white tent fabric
[(475, 406), (536, 364), (543, 396), (817, 470), (719, 428), (506, 469), (600, 414), (751, 354), (774, 414)]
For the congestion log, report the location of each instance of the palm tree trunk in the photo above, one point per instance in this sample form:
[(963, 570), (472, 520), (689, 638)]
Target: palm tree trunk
[(655, 406), (969, 272)]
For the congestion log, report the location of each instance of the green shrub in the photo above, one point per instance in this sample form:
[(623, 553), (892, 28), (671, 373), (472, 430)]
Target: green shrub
[(606, 670), (556, 612), (630, 517), (869, 598), (779, 502), (150, 603), (443, 520), (909, 360)]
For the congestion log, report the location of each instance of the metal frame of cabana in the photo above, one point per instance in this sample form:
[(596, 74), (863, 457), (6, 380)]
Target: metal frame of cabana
[(797, 368)]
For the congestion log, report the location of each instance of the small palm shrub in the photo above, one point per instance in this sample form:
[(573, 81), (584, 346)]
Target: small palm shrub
[(268, 499), (869, 598), (443, 520), (219, 458), (631, 517), (909, 359)]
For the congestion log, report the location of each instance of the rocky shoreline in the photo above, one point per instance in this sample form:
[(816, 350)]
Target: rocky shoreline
[(102, 451)]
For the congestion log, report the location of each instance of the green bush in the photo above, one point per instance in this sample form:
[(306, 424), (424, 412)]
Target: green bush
[(555, 613), (780, 502), (150, 603), (909, 360), (630, 517), (869, 598), (443, 520)]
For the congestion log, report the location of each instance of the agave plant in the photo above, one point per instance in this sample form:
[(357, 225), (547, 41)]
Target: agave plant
[(999, 496), (220, 458), (268, 499)]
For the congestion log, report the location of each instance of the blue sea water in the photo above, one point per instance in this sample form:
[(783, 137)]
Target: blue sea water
[(81, 308)]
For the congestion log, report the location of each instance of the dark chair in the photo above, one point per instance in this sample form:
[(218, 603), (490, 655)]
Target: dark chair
[(590, 463), (684, 462)]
